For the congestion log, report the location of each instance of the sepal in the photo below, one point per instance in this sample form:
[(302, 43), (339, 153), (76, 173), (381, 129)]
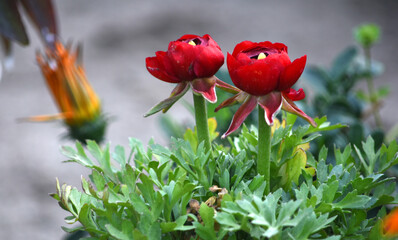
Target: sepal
[(166, 104)]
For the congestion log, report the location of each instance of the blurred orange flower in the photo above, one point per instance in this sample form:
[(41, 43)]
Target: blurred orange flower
[(79, 105), (390, 223)]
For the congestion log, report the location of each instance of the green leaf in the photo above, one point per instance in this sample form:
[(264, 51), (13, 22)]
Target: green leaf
[(353, 201), (377, 231), (146, 188), (344, 158), (317, 78), (206, 231), (98, 180), (139, 205), (224, 180), (322, 172), (329, 191), (323, 125), (192, 138), (342, 62), (227, 221), (291, 170), (120, 156), (118, 234), (85, 217)]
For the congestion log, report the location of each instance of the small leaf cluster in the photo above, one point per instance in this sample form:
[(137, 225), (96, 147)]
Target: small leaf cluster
[(185, 192)]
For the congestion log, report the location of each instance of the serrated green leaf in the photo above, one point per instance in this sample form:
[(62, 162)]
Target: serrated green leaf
[(98, 180), (353, 201), (322, 172), (227, 221), (206, 231), (116, 233)]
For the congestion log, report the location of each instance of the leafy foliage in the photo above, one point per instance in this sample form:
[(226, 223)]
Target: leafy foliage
[(336, 96), (184, 192)]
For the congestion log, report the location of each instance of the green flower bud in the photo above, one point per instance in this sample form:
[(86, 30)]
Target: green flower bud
[(367, 34)]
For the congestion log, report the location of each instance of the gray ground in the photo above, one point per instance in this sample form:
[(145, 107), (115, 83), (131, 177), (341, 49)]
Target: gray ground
[(117, 36)]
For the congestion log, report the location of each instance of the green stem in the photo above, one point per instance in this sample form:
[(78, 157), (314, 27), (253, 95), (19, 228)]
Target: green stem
[(264, 148), (201, 120), (371, 88)]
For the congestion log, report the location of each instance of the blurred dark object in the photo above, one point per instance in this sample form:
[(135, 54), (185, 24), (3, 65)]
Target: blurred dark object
[(41, 13), (12, 29)]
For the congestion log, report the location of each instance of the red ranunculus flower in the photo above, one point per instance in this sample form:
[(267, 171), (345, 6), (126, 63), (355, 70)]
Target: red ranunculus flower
[(265, 74), (189, 61)]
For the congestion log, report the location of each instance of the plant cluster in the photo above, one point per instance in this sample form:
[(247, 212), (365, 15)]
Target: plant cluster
[(183, 193), (264, 184)]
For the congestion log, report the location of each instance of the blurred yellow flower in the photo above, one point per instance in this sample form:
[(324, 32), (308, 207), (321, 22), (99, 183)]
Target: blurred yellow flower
[(79, 105)]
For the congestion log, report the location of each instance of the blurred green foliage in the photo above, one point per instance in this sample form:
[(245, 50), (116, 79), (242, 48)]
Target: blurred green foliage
[(334, 93)]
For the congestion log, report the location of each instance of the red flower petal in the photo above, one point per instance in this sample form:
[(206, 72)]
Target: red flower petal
[(259, 78), (271, 103), (294, 95), (210, 41), (242, 46), (292, 73), (240, 115), (289, 106), (280, 46), (181, 57), (156, 67), (188, 37), (208, 61), (205, 87)]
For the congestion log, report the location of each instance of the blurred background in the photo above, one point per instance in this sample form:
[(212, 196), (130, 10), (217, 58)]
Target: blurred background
[(117, 37)]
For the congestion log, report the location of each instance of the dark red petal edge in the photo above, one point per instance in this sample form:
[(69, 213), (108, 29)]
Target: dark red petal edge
[(206, 87), (166, 104), (240, 115), (292, 73), (289, 106), (271, 103)]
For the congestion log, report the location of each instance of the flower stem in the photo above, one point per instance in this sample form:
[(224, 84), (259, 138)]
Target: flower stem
[(371, 88), (201, 120), (264, 148)]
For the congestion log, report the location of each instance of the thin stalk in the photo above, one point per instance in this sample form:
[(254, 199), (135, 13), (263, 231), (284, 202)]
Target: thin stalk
[(371, 88), (201, 120), (264, 148)]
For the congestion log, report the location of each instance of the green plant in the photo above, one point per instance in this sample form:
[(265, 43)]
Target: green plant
[(183, 193)]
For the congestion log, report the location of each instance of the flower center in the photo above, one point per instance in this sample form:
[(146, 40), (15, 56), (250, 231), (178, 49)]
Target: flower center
[(261, 56), (192, 43)]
